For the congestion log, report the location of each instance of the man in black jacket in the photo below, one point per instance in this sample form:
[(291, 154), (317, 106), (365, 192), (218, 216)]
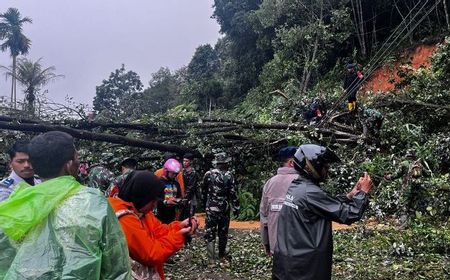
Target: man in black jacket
[(352, 82), (304, 239)]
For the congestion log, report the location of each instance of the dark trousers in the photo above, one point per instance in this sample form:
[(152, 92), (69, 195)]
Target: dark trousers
[(217, 223)]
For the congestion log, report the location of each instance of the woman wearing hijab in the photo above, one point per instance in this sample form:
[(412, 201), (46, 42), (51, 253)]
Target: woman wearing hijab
[(150, 242)]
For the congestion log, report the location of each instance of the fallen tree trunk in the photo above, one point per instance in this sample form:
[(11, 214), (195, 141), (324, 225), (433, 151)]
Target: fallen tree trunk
[(81, 124), (418, 104), (103, 137), (294, 126)]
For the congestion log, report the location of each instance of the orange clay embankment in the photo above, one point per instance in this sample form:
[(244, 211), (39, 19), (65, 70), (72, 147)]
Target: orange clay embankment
[(384, 78)]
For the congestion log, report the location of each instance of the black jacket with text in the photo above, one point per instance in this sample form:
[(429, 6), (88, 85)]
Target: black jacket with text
[(305, 247)]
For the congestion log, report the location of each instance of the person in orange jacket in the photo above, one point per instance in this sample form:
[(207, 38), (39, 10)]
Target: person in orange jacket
[(179, 178), (150, 242)]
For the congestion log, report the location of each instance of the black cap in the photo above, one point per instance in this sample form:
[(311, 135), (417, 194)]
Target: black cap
[(129, 162), (189, 156), (168, 156), (286, 153)]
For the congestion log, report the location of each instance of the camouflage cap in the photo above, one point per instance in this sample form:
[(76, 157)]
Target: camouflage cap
[(109, 158), (221, 158)]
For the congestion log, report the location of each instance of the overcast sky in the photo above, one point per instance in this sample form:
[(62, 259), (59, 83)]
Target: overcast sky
[(88, 39)]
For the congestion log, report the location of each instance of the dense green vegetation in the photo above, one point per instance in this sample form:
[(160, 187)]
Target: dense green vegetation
[(419, 252), (225, 100)]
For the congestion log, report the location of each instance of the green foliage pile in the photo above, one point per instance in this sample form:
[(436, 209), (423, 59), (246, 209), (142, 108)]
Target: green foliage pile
[(414, 125), (299, 48), (419, 252)]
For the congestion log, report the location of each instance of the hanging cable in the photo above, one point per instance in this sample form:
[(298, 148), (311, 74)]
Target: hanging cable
[(383, 52)]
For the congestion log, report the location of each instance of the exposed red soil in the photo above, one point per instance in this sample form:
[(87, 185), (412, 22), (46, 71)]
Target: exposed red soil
[(384, 78), (255, 224)]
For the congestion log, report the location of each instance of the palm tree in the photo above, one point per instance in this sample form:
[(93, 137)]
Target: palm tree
[(32, 76), (14, 40)]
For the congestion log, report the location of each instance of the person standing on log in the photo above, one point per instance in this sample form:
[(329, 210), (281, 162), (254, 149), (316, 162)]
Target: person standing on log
[(352, 82)]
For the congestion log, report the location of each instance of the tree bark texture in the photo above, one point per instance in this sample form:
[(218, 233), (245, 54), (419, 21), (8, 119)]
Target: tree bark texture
[(103, 137)]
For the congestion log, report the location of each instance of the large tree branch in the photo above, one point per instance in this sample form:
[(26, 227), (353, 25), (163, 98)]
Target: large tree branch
[(102, 137), (418, 104), (284, 126), (82, 124)]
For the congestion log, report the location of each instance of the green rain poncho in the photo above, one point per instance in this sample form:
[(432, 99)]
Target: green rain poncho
[(60, 230)]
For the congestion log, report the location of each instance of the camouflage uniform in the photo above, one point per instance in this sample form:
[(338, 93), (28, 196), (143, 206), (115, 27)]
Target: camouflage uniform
[(413, 190), (100, 178), (117, 183), (219, 189), (83, 173), (373, 120)]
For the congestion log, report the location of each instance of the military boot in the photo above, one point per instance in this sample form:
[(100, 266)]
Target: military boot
[(211, 250), (222, 247), (223, 260)]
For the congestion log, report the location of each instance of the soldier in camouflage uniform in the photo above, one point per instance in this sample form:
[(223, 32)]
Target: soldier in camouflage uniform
[(219, 189), (100, 175), (413, 190), (373, 120), (127, 166)]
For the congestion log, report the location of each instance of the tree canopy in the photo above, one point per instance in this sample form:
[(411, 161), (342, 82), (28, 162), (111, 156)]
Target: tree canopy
[(114, 93), (14, 40)]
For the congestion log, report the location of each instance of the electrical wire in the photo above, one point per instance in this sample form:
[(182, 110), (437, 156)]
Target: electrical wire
[(384, 51)]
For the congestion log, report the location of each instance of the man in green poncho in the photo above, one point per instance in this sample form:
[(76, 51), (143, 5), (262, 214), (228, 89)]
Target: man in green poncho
[(59, 229)]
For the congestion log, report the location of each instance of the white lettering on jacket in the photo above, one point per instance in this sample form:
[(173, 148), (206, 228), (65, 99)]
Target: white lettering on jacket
[(290, 204), (275, 207)]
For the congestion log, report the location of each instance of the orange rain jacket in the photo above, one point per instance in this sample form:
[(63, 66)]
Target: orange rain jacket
[(179, 179), (150, 242)]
